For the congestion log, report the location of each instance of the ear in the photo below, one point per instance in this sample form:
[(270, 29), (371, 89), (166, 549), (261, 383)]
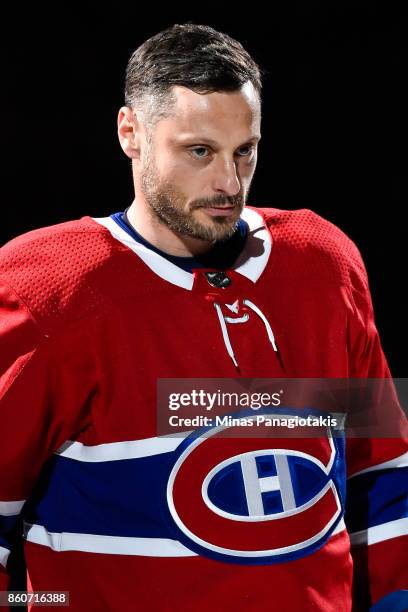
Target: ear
[(129, 132)]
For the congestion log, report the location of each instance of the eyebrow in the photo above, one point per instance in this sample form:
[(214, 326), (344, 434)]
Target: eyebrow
[(198, 139)]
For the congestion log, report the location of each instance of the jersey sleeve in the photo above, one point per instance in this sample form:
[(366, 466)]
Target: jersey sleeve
[(376, 514), (41, 406)]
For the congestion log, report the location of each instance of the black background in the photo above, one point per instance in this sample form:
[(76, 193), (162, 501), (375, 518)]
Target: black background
[(334, 120)]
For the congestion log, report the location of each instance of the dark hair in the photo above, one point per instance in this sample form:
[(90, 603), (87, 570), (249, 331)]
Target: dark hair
[(188, 55)]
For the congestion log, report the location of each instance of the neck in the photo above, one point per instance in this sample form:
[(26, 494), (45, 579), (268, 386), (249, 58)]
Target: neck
[(148, 225)]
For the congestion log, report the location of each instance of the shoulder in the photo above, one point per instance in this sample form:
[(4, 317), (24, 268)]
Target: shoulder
[(314, 245), (51, 268)]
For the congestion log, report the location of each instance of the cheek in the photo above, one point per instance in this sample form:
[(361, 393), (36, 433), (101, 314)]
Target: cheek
[(173, 169), (188, 176), (247, 169)]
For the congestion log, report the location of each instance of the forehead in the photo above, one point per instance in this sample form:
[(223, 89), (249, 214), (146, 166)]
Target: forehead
[(215, 111)]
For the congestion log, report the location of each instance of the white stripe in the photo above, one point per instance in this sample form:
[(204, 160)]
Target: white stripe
[(285, 482), (253, 259), (111, 545), (116, 451), (4, 553), (269, 483), (252, 487), (379, 533), (9, 508), (397, 462)]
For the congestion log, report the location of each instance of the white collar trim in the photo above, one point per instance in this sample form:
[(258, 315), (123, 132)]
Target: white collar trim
[(250, 263), (255, 254)]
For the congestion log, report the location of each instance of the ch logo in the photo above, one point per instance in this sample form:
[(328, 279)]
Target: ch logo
[(255, 500), (265, 478)]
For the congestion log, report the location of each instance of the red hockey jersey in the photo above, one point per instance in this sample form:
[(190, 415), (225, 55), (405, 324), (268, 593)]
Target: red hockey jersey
[(125, 519)]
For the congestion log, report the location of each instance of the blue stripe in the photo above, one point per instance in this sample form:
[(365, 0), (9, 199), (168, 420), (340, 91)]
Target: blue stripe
[(121, 498), (5, 543), (393, 602), (376, 498), (124, 498), (10, 529), (7, 523)]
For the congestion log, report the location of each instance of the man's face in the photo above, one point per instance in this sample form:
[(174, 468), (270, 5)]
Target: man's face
[(198, 163)]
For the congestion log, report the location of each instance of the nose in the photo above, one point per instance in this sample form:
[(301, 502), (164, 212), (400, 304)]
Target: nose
[(226, 179)]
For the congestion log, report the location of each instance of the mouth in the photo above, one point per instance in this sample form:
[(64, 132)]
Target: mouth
[(220, 211)]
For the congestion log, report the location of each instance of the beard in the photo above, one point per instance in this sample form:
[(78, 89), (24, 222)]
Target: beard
[(169, 205)]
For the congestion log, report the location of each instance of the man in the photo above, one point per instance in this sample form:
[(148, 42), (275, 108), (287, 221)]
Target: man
[(188, 282)]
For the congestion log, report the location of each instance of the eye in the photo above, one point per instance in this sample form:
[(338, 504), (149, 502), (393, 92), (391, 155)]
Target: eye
[(199, 152), (246, 150)]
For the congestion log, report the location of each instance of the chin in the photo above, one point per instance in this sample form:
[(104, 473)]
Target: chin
[(219, 231)]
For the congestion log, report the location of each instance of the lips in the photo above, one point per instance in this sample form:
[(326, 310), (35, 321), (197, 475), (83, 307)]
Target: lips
[(220, 211)]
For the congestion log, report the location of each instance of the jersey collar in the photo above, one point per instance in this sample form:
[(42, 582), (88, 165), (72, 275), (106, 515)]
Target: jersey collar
[(250, 263)]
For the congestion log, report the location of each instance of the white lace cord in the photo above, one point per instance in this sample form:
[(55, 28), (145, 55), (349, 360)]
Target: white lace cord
[(265, 321), (225, 334)]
